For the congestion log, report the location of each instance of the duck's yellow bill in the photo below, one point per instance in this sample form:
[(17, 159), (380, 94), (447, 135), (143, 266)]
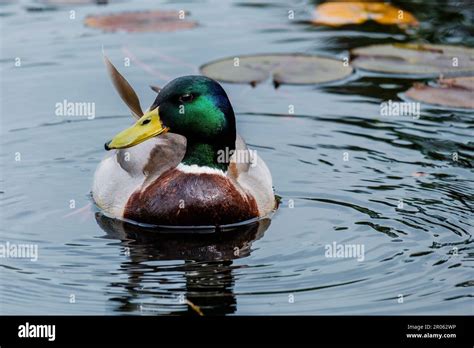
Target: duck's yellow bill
[(148, 126)]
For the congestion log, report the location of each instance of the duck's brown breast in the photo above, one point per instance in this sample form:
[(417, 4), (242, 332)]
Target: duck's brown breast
[(186, 199)]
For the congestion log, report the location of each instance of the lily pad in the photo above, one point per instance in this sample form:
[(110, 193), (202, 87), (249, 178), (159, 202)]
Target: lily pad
[(294, 69), (458, 93), (140, 21), (415, 60), (337, 14), (74, 2)]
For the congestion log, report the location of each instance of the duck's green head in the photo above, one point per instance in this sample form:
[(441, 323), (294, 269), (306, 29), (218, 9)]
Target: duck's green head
[(196, 107)]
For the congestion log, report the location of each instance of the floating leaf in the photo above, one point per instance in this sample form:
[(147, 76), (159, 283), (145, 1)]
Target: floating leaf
[(336, 14), (419, 174), (415, 60), (195, 308), (74, 2), (124, 89), (458, 93), (281, 68), (140, 21)]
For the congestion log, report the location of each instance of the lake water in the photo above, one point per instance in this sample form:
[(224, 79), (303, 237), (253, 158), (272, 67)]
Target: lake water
[(346, 174)]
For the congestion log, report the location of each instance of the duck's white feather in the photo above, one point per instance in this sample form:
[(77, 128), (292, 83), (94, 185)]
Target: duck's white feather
[(254, 178), (123, 172), (195, 169)]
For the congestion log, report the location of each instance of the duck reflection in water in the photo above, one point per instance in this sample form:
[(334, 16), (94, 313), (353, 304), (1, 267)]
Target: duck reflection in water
[(208, 266)]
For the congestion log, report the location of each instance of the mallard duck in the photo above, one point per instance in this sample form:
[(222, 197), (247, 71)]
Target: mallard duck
[(182, 162)]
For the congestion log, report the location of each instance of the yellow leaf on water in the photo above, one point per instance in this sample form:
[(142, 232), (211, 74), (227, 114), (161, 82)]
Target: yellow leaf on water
[(195, 308), (356, 12)]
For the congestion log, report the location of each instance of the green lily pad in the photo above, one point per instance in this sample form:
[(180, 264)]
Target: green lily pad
[(293, 69), (458, 93), (415, 60)]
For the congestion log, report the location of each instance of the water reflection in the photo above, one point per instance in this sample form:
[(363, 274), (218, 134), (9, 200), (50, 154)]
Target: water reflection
[(207, 269)]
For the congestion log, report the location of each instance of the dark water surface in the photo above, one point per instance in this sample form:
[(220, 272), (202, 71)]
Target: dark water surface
[(422, 251)]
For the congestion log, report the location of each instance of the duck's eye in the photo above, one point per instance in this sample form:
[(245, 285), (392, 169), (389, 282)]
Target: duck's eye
[(186, 98), (146, 121)]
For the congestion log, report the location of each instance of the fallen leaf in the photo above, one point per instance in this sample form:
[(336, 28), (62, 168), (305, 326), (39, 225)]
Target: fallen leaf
[(457, 92), (356, 12), (195, 308), (418, 174), (281, 68), (124, 89), (140, 21), (414, 60)]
